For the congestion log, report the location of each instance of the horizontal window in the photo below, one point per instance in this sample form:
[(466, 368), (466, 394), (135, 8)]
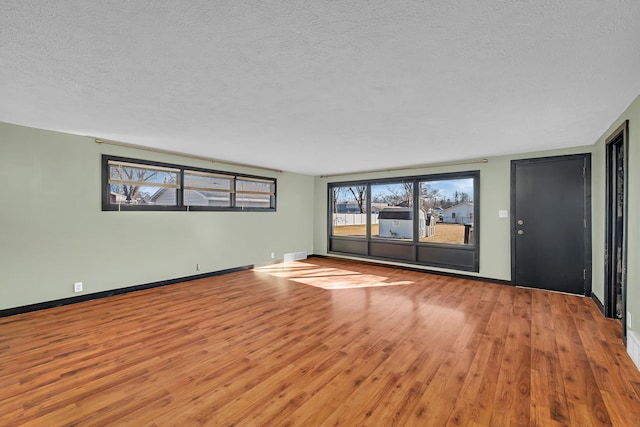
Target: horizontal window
[(131, 184)]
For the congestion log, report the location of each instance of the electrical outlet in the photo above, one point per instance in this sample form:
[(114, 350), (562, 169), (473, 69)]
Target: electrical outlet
[(198, 267), (629, 320), (77, 287), (273, 255)]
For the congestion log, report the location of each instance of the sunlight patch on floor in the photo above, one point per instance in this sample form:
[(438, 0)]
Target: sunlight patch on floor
[(326, 278)]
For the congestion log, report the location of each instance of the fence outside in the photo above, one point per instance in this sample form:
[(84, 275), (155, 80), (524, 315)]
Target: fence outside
[(353, 219), (457, 220)]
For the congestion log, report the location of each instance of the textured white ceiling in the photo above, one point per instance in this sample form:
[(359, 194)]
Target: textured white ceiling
[(320, 86)]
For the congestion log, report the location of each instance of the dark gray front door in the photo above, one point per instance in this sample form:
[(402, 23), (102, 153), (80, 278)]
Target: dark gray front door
[(550, 223)]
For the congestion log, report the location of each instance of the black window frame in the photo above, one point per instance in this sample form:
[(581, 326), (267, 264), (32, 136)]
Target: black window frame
[(464, 257), (180, 206)]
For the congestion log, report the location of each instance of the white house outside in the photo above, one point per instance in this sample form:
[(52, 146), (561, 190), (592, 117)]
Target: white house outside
[(461, 213)]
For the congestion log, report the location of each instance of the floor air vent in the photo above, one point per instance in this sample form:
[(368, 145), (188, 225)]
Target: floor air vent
[(295, 256)]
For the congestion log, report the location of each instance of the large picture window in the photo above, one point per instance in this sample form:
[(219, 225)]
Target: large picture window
[(132, 184), (429, 220)]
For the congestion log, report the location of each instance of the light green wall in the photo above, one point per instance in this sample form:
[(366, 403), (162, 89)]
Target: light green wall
[(632, 114), (495, 178), (53, 232)]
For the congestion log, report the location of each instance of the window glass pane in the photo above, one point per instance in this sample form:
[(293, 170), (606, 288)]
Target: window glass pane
[(206, 198), (392, 215), (255, 193), (139, 184), (207, 189), (207, 181), (449, 207), (349, 205), (254, 186), (254, 200)]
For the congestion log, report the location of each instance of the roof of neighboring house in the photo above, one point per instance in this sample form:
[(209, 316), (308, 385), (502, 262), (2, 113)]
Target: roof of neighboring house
[(457, 206), (118, 197)]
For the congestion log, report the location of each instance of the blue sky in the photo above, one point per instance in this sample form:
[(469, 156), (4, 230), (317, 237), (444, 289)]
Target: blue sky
[(447, 189), (450, 186)]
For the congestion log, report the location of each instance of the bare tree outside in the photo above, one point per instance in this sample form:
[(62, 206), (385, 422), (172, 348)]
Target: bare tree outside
[(461, 197), (336, 194), (429, 196), (400, 194), (359, 194), (138, 184), (131, 191)]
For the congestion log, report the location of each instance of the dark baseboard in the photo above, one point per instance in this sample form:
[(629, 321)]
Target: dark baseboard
[(104, 294), (421, 270), (595, 299)]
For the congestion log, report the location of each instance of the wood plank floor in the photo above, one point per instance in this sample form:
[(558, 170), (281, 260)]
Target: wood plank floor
[(320, 343)]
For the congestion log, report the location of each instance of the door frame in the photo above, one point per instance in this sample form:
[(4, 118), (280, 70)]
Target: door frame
[(587, 250), (622, 132)]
